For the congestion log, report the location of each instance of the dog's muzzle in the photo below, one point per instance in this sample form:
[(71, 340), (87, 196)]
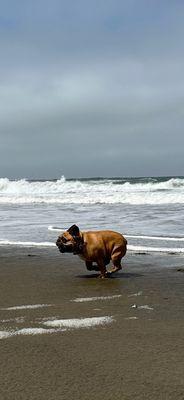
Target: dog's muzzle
[(75, 248), (64, 248)]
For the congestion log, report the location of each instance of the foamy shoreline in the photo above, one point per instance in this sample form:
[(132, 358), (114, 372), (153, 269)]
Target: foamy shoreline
[(130, 248)]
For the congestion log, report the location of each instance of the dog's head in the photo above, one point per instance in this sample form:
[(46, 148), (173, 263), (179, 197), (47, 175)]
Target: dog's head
[(70, 241)]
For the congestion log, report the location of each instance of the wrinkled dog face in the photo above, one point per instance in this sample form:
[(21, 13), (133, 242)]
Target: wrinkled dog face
[(65, 243), (68, 242)]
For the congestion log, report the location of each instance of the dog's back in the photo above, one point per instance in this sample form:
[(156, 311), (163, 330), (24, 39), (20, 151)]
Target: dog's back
[(106, 242)]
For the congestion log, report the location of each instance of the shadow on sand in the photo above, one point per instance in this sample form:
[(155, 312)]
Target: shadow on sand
[(124, 275)]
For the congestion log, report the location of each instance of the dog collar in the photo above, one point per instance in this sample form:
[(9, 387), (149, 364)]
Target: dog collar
[(79, 244)]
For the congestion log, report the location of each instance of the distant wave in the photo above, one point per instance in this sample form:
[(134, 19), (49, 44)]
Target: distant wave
[(131, 248), (104, 191), (160, 238)]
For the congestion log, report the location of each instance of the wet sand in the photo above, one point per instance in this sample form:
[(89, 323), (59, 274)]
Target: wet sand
[(138, 355)]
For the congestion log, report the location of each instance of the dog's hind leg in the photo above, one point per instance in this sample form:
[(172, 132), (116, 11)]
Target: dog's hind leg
[(116, 256), (116, 264)]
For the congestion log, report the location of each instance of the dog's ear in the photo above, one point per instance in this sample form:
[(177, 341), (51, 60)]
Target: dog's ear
[(73, 230)]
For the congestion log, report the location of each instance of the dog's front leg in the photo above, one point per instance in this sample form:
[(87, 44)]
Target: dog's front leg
[(102, 268), (89, 265)]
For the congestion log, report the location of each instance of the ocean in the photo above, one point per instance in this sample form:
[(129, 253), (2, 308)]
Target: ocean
[(148, 211)]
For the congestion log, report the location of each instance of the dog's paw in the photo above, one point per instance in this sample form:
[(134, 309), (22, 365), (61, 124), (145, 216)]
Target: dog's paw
[(102, 276), (114, 269)]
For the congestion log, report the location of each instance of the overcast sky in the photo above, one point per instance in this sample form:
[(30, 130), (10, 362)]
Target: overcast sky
[(91, 88)]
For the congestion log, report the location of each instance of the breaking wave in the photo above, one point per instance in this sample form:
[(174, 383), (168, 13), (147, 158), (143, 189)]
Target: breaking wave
[(93, 191)]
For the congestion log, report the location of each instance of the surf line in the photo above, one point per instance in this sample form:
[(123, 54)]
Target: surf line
[(131, 248), (145, 249), (26, 244), (166, 238), (172, 239)]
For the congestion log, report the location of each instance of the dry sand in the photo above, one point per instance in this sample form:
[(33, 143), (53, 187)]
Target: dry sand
[(138, 355)]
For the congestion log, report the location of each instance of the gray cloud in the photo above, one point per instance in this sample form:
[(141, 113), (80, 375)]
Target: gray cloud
[(91, 88)]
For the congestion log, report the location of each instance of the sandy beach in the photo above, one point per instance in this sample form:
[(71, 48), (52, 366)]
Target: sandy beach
[(136, 353)]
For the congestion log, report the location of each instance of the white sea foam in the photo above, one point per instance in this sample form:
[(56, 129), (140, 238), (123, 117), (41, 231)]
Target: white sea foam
[(26, 244), (90, 192), (145, 307), (5, 334), (77, 323), (18, 320), (131, 248), (55, 228), (86, 299), (160, 238), (58, 326), (136, 294), (28, 306), (36, 331), (29, 331), (145, 249)]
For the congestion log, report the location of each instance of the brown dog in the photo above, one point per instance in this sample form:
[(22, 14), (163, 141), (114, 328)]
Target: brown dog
[(95, 246)]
